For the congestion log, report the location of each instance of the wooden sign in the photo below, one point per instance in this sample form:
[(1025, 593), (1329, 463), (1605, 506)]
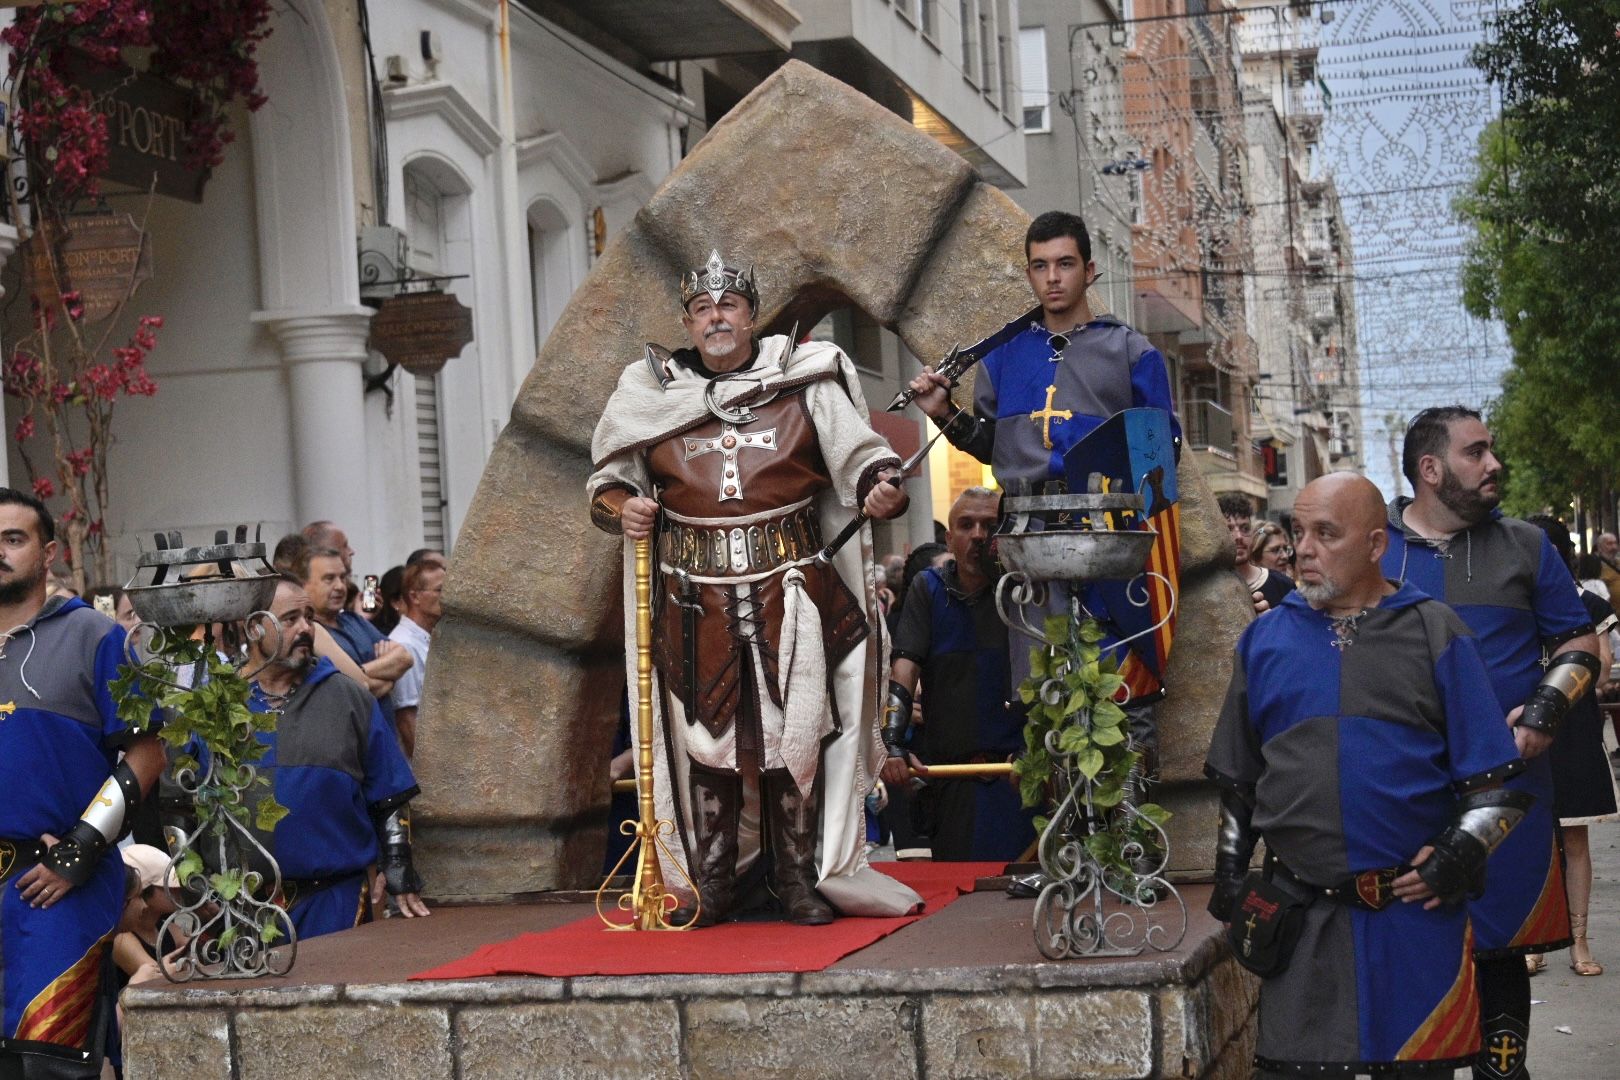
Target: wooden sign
[(421, 331), (146, 127), (104, 258)]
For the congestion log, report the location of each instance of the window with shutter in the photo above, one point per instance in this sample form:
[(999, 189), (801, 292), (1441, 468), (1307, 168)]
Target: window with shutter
[(1032, 69)]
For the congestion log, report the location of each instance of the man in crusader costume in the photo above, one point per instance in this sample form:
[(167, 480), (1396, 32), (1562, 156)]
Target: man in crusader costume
[(1508, 583), (1048, 379), (738, 457), (1361, 740)]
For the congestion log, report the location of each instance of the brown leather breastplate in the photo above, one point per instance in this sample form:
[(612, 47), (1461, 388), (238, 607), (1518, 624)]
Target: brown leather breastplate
[(717, 470)]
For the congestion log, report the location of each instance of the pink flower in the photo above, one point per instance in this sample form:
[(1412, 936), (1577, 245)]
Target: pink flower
[(25, 428), (43, 488)]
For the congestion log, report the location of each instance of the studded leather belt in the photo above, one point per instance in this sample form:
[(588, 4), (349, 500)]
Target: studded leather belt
[(1370, 890), (17, 856), (755, 546)]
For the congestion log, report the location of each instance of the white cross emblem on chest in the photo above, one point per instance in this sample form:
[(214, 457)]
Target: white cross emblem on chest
[(727, 444)]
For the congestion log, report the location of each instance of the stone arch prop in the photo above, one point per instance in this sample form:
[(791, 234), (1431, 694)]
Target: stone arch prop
[(828, 193)]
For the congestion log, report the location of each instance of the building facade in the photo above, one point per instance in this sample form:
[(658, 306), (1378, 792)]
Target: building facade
[(1306, 412), (1133, 116), (489, 148)]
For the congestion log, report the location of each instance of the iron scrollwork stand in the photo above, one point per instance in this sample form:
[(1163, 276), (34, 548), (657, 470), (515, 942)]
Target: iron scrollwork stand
[(1085, 908), (231, 927)]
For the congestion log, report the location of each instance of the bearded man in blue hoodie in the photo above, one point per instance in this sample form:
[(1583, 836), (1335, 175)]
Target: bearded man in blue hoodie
[(338, 769)]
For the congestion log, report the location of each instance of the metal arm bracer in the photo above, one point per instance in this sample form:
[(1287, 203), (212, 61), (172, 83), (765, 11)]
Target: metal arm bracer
[(1234, 847), (104, 822), (394, 832), (1568, 678), (1484, 819), (897, 719)]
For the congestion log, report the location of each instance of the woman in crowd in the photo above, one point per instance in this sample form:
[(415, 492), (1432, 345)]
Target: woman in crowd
[(1583, 785), (1270, 548)]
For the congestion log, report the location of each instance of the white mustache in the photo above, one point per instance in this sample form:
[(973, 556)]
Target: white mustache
[(719, 328)]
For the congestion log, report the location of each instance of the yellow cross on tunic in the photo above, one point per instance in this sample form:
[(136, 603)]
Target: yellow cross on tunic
[(1045, 416)]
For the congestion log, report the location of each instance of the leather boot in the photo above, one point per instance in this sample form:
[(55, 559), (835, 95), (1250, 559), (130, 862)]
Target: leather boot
[(716, 813), (793, 826)]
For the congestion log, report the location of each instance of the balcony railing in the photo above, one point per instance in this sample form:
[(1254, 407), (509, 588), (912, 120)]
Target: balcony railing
[(1209, 427)]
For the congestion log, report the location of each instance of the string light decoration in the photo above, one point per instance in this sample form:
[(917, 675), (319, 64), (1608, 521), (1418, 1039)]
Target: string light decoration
[(1339, 278)]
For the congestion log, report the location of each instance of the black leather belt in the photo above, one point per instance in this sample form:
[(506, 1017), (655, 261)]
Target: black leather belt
[(1370, 890), (17, 856), (734, 550), (296, 889)]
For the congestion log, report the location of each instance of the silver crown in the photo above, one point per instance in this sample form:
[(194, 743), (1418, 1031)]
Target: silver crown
[(717, 279)]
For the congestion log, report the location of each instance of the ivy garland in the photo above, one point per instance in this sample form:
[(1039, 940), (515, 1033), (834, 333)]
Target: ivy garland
[(1071, 695), (212, 711)]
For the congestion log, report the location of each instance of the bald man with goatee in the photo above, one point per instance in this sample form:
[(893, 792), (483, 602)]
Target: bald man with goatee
[(1361, 740)]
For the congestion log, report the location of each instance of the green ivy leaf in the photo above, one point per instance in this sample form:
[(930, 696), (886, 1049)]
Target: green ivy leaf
[(1108, 684), (1107, 736), (1090, 762), (1031, 791), (228, 884), (269, 813), (189, 866), (1107, 795), (1105, 849), (1041, 822), (1155, 813), (231, 933), (1037, 662), (1057, 629), (1074, 740), (1078, 701), (1107, 714), (1090, 632), (1026, 693), (270, 933)]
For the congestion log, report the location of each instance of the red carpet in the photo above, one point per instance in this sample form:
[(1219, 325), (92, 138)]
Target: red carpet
[(586, 947)]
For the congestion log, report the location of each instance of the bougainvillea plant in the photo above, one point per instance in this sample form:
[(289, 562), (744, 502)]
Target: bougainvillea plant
[(67, 375)]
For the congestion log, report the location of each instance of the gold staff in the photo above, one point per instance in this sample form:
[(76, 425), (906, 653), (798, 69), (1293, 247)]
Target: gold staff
[(649, 903)]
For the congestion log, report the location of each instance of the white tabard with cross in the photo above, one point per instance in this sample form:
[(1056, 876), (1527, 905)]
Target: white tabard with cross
[(727, 444)]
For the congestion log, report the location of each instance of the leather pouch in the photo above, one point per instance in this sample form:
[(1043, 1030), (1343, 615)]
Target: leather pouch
[(1266, 925)]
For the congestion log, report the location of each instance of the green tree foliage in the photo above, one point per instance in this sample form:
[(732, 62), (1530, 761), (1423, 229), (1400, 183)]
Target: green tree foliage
[(1545, 255)]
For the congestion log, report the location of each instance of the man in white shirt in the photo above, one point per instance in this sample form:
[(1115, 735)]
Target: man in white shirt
[(421, 606)]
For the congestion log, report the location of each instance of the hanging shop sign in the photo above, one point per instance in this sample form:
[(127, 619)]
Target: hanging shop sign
[(147, 118), (103, 258), (421, 331)]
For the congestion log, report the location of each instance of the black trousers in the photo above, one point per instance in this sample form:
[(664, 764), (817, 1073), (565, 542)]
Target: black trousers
[(1504, 1013)]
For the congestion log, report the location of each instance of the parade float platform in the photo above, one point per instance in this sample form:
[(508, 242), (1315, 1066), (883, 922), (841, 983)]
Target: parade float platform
[(960, 993)]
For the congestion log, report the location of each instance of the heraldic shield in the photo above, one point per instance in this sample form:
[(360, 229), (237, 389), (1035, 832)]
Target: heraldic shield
[(1134, 452)]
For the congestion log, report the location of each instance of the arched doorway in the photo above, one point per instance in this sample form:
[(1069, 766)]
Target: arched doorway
[(525, 677)]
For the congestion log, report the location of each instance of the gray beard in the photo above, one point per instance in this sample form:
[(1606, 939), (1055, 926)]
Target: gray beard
[(1325, 593), (720, 350)]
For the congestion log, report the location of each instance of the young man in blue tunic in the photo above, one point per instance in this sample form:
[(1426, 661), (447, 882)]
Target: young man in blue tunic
[(65, 801), (1047, 380), (1505, 580), (1361, 740), (339, 771)]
